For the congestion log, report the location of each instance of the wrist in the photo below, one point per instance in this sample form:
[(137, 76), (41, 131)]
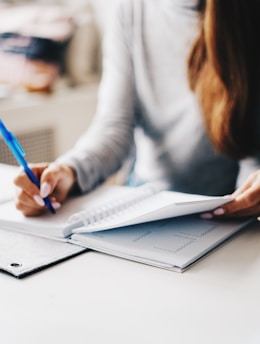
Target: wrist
[(74, 181)]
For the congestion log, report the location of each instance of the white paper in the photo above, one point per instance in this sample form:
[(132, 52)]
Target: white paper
[(173, 243), (165, 204)]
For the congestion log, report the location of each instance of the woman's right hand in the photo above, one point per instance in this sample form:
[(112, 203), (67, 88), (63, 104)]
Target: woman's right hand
[(56, 181)]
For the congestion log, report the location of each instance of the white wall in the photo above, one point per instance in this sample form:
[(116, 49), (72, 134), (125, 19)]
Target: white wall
[(103, 10)]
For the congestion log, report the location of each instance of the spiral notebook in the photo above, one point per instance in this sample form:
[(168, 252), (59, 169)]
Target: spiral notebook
[(109, 207), (145, 224)]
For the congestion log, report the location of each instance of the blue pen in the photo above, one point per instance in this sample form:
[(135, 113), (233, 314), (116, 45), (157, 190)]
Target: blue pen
[(19, 154)]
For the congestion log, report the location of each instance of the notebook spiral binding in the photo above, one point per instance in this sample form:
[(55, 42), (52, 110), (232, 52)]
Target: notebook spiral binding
[(117, 207)]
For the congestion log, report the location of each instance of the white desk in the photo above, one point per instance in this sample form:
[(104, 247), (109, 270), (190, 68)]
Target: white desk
[(96, 299)]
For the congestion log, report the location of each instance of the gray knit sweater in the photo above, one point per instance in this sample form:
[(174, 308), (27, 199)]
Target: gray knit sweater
[(146, 109)]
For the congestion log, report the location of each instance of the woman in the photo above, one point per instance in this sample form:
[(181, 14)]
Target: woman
[(179, 93)]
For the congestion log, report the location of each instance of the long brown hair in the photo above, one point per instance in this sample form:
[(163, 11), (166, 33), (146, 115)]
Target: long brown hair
[(222, 70)]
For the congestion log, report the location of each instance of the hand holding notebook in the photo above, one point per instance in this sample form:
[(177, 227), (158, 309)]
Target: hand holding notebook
[(174, 243), (110, 207), (146, 203)]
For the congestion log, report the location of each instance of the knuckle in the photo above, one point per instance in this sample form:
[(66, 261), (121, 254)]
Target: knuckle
[(18, 180)]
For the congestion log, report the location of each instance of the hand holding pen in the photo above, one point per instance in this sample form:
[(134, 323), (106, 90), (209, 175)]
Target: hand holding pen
[(19, 154), (56, 182)]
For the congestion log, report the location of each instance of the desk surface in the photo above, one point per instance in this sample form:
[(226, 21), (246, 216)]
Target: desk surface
[(96, 299)]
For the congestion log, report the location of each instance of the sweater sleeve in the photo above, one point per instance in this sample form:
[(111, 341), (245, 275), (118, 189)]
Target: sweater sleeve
[(246, 167), (101, 150)]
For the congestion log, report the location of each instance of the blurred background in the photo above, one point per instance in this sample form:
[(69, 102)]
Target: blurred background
[(50, 67)]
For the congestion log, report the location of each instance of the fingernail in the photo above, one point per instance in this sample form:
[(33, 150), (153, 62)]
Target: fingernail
[(206, 216), (45, 189), (219, 211), (56, 205), (38, 200)]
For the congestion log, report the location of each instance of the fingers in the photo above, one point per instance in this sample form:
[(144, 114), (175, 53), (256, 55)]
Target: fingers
[(28, 199), (246, 201), (26, 204), (56, 182), (22, 181), (247, 198), (225, 213), (253, 181)]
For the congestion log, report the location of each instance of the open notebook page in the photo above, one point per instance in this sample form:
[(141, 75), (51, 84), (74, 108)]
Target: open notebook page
[(49, 225), (161, 205), (7, 175), (143, 207)]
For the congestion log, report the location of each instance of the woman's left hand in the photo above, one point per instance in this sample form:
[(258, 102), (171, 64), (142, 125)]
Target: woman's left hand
[(246, 201)]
